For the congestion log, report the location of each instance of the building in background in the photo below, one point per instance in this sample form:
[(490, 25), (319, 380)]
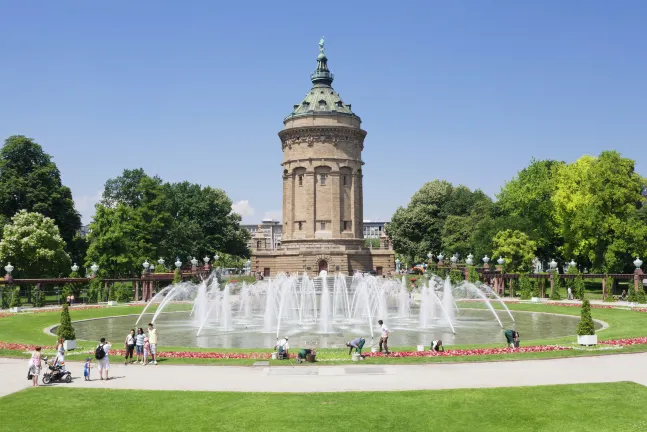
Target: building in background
[(322, 142)]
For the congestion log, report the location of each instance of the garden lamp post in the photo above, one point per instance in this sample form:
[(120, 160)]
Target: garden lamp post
[(637, 262), (161, 262), (206, 259), (146, 266), (430, 256), (8, 268), (194, 263), (440, 258), (486, 260), (572, 264), (94, 268), (454, 258), (216, 257), (552, 264)]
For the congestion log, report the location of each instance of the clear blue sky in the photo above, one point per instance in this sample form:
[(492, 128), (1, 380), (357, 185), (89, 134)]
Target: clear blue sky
[(466, 91)]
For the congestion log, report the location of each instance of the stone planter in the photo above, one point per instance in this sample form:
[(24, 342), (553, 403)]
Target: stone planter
[(420, 348), (534, 300), (587, 340), (69, 345), (15, 309), (112, 303)]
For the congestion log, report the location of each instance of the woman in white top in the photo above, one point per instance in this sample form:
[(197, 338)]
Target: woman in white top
[(34, 366)]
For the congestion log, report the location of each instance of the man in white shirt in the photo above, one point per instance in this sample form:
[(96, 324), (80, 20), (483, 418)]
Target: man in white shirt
[(282, 347), (385, 337), (104, 362), (152, 338)]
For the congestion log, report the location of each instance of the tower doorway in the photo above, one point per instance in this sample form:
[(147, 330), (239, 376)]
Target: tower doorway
[(323, 265)]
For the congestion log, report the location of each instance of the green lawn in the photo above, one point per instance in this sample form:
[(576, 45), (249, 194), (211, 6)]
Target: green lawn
[(28, 328), (600, 407)]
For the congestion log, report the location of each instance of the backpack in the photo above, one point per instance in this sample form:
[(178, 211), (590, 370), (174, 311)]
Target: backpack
[(99, 353)]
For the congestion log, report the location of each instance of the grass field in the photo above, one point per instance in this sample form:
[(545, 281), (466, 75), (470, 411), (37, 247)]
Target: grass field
[(28, 328), (600, 407)]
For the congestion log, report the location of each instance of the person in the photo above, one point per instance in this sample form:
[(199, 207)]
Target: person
[(147, 350), (570, 294), (139, 345), (624, 294), (385, 337), (512, 337), (72, 300), (60, 353), (68, 300), (129, 344), (86, 368), (357, 343), (437, 345), (152, 339), (101, 353), (34, 366), (283, 347), (304, 353)]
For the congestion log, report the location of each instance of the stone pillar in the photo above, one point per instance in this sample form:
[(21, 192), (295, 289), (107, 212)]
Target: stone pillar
[(311, 184), (551, 277)]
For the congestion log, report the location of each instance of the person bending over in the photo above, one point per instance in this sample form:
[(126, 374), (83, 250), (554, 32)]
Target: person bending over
[(304, 353), (283, 347), (357, 343), (437, 345), (512, 337)]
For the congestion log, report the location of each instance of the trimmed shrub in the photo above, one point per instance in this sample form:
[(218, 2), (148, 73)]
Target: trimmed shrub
[(122, 292), (585, 326), (15, 298), (472, 275), (65, 330), (554, 292), (609, 290), (525, 288), (95, 290), (456, 277), (578, 287), (37, 296), (177, 276)]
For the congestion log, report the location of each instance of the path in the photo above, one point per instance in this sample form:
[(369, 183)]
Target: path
[(303, 378)]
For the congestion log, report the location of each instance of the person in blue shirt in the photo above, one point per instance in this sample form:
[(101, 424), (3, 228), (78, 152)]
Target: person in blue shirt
[(357, 343), (86, 368)]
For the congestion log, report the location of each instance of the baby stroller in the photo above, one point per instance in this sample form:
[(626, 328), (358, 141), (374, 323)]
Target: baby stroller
[(56, 373)]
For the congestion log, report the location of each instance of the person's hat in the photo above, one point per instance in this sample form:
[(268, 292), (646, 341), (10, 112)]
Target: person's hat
[(286, 338), (88, 359)]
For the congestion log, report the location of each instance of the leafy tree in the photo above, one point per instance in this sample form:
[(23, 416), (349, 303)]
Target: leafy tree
[(65, 330), (517, 249), (525, 288), (585, 326), (37, 296), (472, 274), (528, 197), (609, 290), (578, 287), (95, 290), (33, 243), (30, 180), (418, 228), (596, 208), (456, 277)]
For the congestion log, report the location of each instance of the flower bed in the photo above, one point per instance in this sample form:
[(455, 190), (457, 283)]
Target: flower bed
[(471, 352), (626, 342)]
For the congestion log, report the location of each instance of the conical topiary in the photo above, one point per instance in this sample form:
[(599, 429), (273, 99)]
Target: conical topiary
[(585, 326), (525, 287), (65, 330), (177, 276)]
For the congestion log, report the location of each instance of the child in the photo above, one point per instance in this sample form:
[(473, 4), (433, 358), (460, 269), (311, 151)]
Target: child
[(86, 368), (147, 350)]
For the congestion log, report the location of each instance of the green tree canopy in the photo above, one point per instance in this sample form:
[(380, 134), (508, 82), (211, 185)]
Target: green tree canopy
[(597, 203), (141, 218), (516, 248), (30, 180), (419, 228), (34, 246)]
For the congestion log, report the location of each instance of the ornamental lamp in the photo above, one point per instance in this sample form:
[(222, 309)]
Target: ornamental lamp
[(470, 259), (74, 268), (572, 263), (638, 263), (178, 263), (146, 265), (486, 259), (501, 261), (552, 264), (440, 256), (8, 268), (206, 259), (430, 256), (160, 261), (454, 258), (94, 268), (194, 262)]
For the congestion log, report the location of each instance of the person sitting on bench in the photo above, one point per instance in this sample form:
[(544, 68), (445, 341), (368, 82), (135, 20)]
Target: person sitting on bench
[(437, 345), (282, 346), (358, 344), (512, 337), (304, 353)]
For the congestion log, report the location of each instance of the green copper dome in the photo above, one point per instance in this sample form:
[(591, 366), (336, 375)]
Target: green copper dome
[(322, 98)]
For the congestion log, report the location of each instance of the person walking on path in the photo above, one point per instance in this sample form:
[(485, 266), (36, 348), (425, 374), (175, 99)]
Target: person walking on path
[(34, 366), (152, 338), (101, 354), (570, 294), (129, 344), (86, 369), (139, 345), (384, 340)]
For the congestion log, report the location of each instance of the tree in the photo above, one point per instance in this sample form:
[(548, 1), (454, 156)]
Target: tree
[(554, 290), (15, 298), (177, 276), (579, 287), (29, 180), (609, 290), (525, 288), (517, 249), (33, 243), (529, 197), (585, 326), (597, 204), (140, 218), (65, 330), (418, 228)]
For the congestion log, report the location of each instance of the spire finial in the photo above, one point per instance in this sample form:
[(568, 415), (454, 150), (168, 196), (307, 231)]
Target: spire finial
[(321, 45), (322, 74)]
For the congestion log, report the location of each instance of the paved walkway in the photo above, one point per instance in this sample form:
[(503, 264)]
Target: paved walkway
[(310, 378)]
